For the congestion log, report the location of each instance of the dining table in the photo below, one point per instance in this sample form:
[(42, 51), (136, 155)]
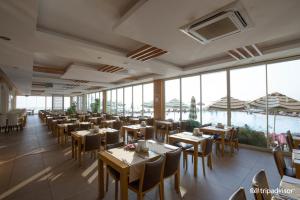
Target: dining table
[(94, 120), (289, 188), (129, 164), (135, 128), (189, 138), (221, 131), (108, 122), (78, 137)]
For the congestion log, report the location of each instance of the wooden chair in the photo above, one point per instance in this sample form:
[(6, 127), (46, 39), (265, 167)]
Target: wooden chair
[(172, 166), (290, 142), (146, 134), (260, 183), (230, 140), (117, 125), (112, 172), (92, 144), (71, 128), (238, 195), (205, 150), (281, 165), (111, 138), (85, 126), (152, 176)]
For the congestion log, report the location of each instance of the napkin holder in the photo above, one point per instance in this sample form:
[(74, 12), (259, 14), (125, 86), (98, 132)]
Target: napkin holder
[(143, 123), (92, 131), (196, 132), (142, 146), (220, 125), (96, 129)]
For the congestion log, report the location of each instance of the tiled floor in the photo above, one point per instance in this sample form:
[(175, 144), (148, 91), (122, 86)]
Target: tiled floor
[(34, 166)]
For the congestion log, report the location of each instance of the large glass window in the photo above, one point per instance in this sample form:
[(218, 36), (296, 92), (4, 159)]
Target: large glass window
[(284, 97), (248, 109), (100, 101), (214, 90), (120, 104), (172, 99), (49, 103), (58, 102), (66, 102), (113, 101), (148, 99), (128, 101), (137, 100), (190, 88), (108, 101), (35, 103)]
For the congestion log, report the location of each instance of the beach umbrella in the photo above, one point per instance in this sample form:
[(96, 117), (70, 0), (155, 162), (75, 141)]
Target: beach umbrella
[(221, 104), (175, 105), (193, 111), (276, 102)]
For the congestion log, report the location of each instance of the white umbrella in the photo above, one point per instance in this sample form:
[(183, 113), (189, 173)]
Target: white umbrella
[(221, 104)]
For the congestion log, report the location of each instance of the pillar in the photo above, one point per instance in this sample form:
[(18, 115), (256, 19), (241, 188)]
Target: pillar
[(159, 101)]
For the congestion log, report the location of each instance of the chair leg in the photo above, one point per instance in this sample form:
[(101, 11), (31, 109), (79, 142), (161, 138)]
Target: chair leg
[(203, 165), (139, 196), (116, 189), (210, 161), (161, 190), (107, 179)]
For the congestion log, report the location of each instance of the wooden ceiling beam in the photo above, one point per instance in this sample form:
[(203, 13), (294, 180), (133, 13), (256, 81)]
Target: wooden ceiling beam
[(146, 52), (139, 50), (154, 55), (156, 51), (49, 70)]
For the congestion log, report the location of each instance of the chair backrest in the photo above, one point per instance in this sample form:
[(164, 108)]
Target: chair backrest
[(150, 121), (279, 160), (153, 173), (71, 128), (3, 120), (92, 142), (149, 133), (12, 119), (172, 162), (85, 126), (112, 137), (290, 141), (208, 144), (259, 184), (116, 145), (238, 195), (117, 125)]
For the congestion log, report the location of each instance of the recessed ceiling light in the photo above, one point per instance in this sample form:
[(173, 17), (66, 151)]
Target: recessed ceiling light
[(4, 38), (99, 57)]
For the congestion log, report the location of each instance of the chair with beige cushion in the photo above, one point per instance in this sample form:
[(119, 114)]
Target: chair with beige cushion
[(151, 177), (238, 195), (281, 165), (290, 142), (260, 183)]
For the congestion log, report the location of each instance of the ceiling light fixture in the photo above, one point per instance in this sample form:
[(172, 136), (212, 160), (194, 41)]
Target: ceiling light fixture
[(99, 57), (4, 38)]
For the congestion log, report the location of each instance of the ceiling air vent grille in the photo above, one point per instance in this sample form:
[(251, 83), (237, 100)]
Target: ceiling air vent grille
[(216, 26)]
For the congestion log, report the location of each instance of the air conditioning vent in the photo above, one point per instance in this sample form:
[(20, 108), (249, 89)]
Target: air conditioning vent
[(219, 24)]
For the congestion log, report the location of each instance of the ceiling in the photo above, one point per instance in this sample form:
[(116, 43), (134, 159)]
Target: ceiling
[(72, 46)]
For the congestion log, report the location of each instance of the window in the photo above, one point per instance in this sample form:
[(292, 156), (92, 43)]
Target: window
[(108, 101), (283, 87), (35, 103), (120, 104), (58, 102), (214, 89), (100, 101), (128, 101), (190, 88), (66, 102), (172, 99), (137, 100), (49, 103), (148, 99), (79, 103), (113, 101)]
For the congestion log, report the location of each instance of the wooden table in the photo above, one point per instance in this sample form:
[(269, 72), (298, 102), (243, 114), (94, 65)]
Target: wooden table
[(107, 123), (296, 161), (134, 128), (94, 120), (187, 137), (220, 131), (123, 161), (289, 188), (60, 129)]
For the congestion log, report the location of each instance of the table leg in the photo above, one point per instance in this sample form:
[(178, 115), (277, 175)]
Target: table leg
[(195, 160), (297, 167), (73, 145), (223, 144), (79, 151), (177, 179), (58, 136), (124, 185), (100, 179)]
